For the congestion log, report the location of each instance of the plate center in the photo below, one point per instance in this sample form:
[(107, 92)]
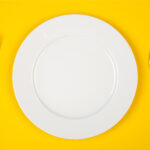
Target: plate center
[(74, 76)]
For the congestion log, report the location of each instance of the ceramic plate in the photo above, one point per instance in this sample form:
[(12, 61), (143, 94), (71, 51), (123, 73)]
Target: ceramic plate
[(75, 76)]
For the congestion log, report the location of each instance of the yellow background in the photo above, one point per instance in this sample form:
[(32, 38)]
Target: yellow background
[(19, 18)]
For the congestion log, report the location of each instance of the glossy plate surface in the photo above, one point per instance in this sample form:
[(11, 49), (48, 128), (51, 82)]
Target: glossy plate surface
[(75, 76)]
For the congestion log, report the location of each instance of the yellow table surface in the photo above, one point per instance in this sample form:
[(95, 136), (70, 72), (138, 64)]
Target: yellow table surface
[(19, 18)]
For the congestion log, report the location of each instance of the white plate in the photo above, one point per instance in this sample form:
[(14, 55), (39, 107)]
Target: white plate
[(75, 76)]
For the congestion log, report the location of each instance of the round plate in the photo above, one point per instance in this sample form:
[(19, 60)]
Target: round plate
[(75, 76)]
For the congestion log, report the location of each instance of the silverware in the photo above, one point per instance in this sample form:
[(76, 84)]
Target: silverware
[(149, 59)]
